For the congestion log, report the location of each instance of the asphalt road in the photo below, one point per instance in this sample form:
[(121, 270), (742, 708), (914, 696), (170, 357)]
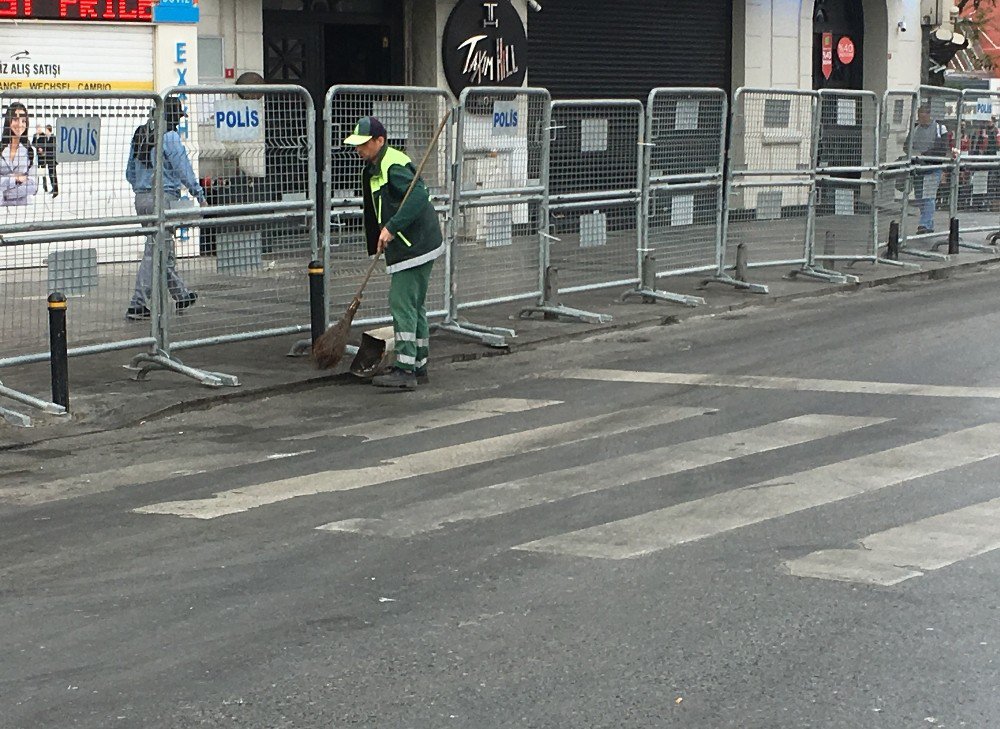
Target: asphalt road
[(783, 517)]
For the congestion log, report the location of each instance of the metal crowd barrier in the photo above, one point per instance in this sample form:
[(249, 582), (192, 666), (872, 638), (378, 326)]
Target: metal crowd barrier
[(242, 257), (594, 202), (845, 223), (411, 116), (71, 227), (683, 189), (771, 183), (500, 207), (976, 183)]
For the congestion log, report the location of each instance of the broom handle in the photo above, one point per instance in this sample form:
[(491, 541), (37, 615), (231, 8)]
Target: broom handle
[(413, 182)]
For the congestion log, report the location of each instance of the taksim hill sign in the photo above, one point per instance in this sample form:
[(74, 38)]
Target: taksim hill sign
[(484, 44)]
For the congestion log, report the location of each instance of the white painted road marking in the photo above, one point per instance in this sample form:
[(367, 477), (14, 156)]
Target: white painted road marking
[(781, 383), (694, 520), (86, 484), (455, 415), (612, 473), (899, 554), (428, 462)]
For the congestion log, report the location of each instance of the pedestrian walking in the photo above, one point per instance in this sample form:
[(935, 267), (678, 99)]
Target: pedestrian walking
[(177, 173), (17, 158), (929, 140), (50, 160), (409, 235), (44, 143)]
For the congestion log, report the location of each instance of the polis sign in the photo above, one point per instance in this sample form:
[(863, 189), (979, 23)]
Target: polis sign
[(484, 44)]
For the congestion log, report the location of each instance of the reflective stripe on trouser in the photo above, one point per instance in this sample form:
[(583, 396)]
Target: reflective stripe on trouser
[(407, 291)]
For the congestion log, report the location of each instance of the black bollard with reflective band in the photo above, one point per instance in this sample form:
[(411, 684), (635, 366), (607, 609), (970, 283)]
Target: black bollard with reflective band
[(893, 249), (953, 237), (58, 358), (317, 300)]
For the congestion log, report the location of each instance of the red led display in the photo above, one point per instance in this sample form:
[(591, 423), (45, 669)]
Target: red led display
[(111, 11)]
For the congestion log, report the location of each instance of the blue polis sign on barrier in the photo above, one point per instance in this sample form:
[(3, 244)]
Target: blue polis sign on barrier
[(176, 11)]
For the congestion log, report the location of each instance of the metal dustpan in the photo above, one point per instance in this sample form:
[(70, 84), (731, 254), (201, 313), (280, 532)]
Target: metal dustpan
[(375, 353)]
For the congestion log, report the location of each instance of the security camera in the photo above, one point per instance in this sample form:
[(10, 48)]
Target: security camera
[(902, 26), (535, 6)]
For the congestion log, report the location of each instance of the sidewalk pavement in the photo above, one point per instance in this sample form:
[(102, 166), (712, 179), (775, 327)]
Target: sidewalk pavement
[(103, 396)]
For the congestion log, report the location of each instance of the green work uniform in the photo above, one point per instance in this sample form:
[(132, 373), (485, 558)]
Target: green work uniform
[(410, 255)]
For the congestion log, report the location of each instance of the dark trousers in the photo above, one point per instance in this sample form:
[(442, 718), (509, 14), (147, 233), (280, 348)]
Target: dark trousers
[(53, 177)]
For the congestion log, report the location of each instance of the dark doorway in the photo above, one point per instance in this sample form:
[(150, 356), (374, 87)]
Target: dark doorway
[(318, 49), (838, 33), (358, 54)]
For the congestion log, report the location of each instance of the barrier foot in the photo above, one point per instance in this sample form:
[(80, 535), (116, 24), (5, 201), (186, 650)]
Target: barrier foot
[(899, 264), (722, 278), (303, 348), (143, 364), (651, 295), (558, 311), (487, 336), (18, 420), (824, 274), (979, 248), (929, 255), (21, 420)]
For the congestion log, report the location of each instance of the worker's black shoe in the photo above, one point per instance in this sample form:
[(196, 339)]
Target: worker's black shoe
[(397, 379), (421, 375)]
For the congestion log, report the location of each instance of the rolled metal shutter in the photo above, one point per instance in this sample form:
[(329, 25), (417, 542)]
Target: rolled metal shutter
[(597, 48), (76, 56)]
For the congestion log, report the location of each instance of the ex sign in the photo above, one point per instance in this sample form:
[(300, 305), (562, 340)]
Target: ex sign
[(238, 121)]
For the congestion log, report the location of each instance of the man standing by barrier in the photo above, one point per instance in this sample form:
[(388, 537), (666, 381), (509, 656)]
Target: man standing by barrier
[(930, 139), (409, 234)]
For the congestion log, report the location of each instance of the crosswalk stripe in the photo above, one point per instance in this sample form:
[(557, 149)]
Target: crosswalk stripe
[(694, 520), (780, 383), (456, 415), (428, 462), (612, 473), (87, 484), (899, 554)]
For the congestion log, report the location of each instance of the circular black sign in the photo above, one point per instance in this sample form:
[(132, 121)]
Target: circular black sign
[(484, 44)]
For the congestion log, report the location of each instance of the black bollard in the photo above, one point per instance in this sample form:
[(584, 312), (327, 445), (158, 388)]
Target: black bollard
[(953, 237), (893, 250), (317, 300), (58, 358)]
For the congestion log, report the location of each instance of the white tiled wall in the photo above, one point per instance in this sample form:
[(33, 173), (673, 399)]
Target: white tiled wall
[(240, 23), (772, 42)]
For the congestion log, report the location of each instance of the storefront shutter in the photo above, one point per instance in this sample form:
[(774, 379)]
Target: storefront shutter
[(71, 56), (597, 48)]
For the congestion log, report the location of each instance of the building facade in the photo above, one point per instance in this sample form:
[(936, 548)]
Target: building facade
[(576, 48)]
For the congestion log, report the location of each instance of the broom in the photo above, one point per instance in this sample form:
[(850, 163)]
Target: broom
[(330, 345)]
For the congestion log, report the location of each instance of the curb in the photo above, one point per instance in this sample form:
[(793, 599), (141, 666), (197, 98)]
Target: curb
[(208, 401), (343, 379)]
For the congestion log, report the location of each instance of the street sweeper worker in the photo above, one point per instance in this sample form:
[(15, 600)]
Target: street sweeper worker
[(410, 236)]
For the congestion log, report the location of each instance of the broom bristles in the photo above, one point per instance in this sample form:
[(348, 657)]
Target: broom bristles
[(331, 344)]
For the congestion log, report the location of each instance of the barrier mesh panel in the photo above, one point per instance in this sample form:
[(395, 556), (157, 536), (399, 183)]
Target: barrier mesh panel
[(67, 218), (243, 251), (595, 155), (503, 147)]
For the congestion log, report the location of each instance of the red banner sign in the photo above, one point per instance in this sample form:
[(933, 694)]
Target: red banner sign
[(827, 51), (845, 50)]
